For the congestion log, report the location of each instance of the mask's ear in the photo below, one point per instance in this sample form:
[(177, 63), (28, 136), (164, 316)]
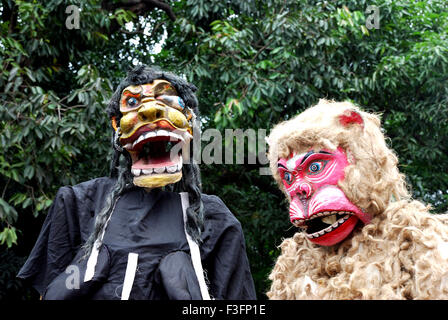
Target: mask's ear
[(351, 117), (114, 123)]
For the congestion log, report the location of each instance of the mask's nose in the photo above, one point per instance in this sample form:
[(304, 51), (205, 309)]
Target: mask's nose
[(151, 112), (305, 190)]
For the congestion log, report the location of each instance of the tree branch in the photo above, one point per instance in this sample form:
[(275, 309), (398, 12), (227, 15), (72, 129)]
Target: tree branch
[(140, 7), (10, 15)]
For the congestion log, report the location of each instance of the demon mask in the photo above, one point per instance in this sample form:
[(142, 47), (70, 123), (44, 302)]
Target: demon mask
[(154, 124), (311, 176), (317, 203)]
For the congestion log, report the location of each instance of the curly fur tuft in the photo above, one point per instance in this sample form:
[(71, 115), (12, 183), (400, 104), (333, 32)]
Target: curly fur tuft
[(401, 254)]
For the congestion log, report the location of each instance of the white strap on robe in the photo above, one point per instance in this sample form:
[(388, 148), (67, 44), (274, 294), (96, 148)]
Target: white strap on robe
[(131, 268), (194, 251), (93, 258)]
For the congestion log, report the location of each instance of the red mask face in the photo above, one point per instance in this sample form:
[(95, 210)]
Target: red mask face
[(317, 203)]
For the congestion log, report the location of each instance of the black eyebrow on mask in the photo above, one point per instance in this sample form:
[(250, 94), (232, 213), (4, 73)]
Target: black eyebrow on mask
[(311, 153), (281, 166), (306, 156)]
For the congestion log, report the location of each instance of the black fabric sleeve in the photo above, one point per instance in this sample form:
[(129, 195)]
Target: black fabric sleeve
[(57, 243), (70, 285), (226, 263)]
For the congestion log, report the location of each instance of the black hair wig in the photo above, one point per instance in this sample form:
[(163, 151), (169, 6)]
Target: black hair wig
[(121, 161)]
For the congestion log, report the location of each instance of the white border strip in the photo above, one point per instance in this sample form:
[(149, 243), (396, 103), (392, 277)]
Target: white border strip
[(131, 268), (93, 258), (194, 251)]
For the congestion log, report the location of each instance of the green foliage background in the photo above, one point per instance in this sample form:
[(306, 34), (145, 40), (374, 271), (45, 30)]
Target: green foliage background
[(254, 62)]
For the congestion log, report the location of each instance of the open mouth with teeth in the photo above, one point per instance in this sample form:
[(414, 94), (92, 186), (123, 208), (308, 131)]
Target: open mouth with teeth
[(328, 227), (157, 156)]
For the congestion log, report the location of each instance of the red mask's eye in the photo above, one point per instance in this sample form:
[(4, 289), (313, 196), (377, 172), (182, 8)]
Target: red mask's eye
[(288, 177), (316, 167)]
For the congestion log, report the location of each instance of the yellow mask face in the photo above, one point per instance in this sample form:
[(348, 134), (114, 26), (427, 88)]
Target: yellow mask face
[(155, 129)]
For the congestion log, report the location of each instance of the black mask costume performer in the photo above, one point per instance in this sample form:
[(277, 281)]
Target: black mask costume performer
[(147, 232)]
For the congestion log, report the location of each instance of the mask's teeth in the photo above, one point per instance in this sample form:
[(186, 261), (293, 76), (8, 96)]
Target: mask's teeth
[(150, 134), (176, 136), (159, 170), (138, 140), (136, 172), (171, 169), (162, 133)]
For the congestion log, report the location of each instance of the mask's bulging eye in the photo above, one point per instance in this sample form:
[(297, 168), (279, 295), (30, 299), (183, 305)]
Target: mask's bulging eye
[(288, 177), (316, 166), (181, 103), (132, 102), (173, 101)]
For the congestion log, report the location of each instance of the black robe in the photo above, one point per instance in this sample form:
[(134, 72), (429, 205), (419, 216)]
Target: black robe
[(149, 224)]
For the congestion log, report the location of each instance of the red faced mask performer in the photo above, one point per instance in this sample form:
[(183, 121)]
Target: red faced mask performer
[(361, 235), (147, 232)]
